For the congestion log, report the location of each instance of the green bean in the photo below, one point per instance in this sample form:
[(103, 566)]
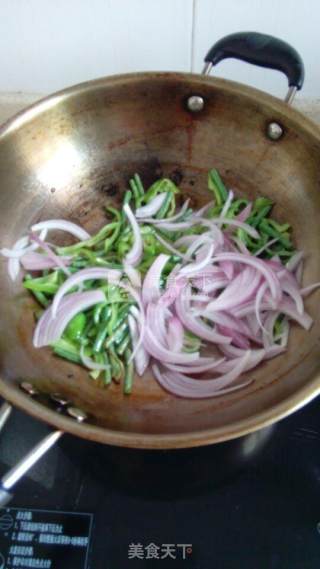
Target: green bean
[(135, 192), (127, 197), (118, 334), (67, 350), (216, 185), (107, 375), (266, 228), (101, 336), (139, 184), (122, 346), (97, 312), (129, 372), (117, 367)]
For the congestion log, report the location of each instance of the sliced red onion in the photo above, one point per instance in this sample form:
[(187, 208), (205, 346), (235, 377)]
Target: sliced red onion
[(175, 225), (200, 368), (175, 334), (236, 337), (141, 358), (189, 387), (151, 284), (266, 246), (287, 307), (187, 240), (169, 246), (227, 321), (244, 214), (174, 289), (13, 268), (258, 264), (200, 264), (235, 223), (258, 300), (209, 284), (241, 289), (19, 249), (135, 254), (37, 262), (90, 363), (217, 234), (203, 239), (157, 316), (170, 219), (228, 269), (295, 261), (292, 289), (241, 245), (227, 204), (268, 335), (203, 210), (256, 357), (133, 275), (155, 349), (78, 278), (194, 324), (55, 258), (62, 225), (308, 289), (49, 329), (152, 207)]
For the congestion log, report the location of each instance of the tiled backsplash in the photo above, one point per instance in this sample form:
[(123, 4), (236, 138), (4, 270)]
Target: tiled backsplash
[(46, 45)]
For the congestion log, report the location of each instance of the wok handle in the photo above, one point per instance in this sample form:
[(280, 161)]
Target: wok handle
[(262, 50), (17, 472)]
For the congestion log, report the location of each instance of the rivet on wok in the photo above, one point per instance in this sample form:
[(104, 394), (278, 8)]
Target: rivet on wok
[(274, 131), (28, 388), (77, 414), (57, 398), (195, 103)]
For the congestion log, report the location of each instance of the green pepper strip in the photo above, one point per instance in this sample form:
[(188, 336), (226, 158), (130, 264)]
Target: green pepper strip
[(129, 372), (41, 298), (165, 206), (100, 236)]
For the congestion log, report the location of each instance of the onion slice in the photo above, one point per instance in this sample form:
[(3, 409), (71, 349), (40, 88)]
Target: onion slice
[(49, 328), (135, 254), (152, 207), (62, 225)]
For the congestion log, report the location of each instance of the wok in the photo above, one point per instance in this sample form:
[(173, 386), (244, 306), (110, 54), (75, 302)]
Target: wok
[(74, 151)]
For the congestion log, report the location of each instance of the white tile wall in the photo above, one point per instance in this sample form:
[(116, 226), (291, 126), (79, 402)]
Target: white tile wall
[(48, 44)]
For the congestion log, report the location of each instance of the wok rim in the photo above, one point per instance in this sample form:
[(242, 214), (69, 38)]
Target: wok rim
[(139, 440)]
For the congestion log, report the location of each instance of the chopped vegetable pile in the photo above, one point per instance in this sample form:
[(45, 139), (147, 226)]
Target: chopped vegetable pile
[(199, 295)]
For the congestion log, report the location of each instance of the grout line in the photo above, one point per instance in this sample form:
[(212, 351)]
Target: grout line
[(192, 47)]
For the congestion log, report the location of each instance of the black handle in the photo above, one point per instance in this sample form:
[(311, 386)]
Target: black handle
[(262, 50)]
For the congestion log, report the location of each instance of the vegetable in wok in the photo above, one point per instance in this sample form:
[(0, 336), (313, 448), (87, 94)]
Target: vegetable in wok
[(158, 285)]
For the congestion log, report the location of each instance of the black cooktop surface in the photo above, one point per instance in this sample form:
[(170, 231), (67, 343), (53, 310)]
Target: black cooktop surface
[(253, 504)]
